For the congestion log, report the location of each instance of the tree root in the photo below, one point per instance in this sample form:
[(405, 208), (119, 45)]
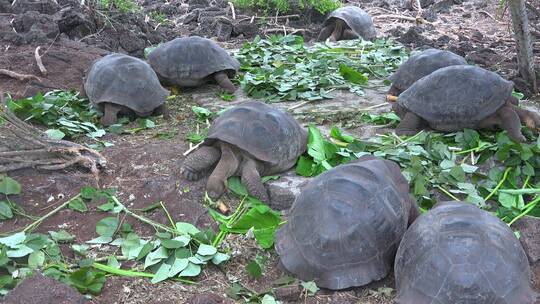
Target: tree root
[(24, 146), (21, 77)]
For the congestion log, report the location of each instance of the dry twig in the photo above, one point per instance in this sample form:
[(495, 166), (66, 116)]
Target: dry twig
[(24, 146), (41, 67), (232, 10), (21, 77)]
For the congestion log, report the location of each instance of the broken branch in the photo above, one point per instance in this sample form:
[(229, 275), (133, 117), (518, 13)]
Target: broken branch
[(41, 67), (21, 77)]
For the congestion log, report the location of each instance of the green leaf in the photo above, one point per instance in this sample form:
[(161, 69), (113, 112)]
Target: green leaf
[(107, 226), (12, 241), (235, 185), (20, 251), (352, 75), (147, 123), (254, 269), (311, 287), (131, 246), (9, 186), (113, 262), (192, 270), (304, 166), (178, 266), (162, 273), (5, 210), (187, 228), (100, 240), (156, 256), (206, 250), (61, 236), (219, 258), (36, 259), (78, 205), (87, 280), (55, 134)]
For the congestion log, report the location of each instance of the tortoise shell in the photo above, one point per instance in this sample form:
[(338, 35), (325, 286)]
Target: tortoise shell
[(345, 226), (189, 61), (356, 18), (423, 64), (126, 81), (266, 133), (457, 253), (456, 97)]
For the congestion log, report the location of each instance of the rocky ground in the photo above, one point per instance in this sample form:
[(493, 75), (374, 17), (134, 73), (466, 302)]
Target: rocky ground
[(145, 168)]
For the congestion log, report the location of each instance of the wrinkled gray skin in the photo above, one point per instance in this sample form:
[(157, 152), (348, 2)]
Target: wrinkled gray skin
[(345, 226), (349, 22), (461, 96), (119, 83), (250, 140), (420, 65), (457, 253), (192, 61)]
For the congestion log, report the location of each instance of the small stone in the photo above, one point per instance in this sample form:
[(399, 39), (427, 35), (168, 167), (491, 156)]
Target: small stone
[(290, 293), (249, 30)]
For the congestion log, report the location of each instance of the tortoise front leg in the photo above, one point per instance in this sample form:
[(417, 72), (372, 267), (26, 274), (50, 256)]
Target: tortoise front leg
[(530, 119), (226, 167), (223, 80), (326, 32), (410, 124), (252, 180), (199, 161), (509, 120), (338, 30), (110, 114), (349, 34), (163, 110)]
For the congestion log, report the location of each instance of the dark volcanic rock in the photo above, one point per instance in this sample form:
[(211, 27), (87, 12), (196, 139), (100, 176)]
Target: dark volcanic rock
[(48, 7)]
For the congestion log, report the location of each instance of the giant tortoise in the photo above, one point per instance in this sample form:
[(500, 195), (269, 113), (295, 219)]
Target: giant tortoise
[(349, 22), (457, 253), (345, 226), (462, 96), (119, 83), (192, 61), (420, 65), (251, 139)]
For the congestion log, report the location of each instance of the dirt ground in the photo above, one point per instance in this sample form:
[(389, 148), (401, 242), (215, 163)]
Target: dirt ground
[(146, 169)]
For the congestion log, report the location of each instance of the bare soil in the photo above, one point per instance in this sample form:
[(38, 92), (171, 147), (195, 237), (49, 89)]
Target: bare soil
[(145, 169)]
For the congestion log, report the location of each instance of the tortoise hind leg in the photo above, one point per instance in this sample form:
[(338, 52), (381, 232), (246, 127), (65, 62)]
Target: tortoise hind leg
[(410, 124), (326, 32), (223, 80), (507, 119), (226, 167), (199, 161), (252, 180), (110, 114)]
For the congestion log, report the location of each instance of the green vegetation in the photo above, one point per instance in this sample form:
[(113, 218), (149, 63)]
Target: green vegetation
[(64, 112), (449, 164), (177, 251), (124, 6), (284, 6), (283, 69)]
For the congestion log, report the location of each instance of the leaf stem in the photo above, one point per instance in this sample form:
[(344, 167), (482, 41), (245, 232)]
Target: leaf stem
[(46, 216), (527, 208), (168, 215), (505, 175), (447, 193), (131, 273)]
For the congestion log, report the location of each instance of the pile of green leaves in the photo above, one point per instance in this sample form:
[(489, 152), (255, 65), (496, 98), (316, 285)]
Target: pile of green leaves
[(176, 251), (251, 215), (283, 6), (282, 68), (485, 169), (64, 112)]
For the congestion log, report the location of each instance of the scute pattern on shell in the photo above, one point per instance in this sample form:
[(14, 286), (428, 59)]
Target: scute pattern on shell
[(423, 64), (266, 133), (456, 97), (189, 61), (457, 253), (356, 18), (126, 81), (345, 226)]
